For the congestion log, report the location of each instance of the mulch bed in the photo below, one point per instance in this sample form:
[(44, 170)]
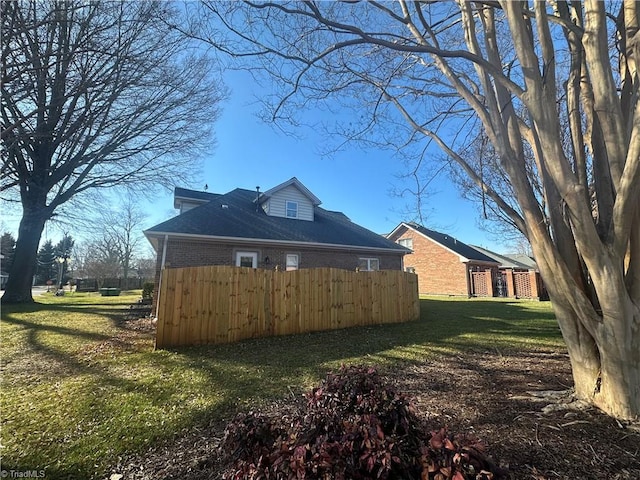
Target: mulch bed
[(499, 397)]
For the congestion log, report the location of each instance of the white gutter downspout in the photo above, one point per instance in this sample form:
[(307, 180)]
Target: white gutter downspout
[(162, 263)]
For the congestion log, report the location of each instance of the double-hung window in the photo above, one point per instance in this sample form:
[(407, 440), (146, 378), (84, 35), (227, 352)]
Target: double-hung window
[(293, 260), (291, 209)]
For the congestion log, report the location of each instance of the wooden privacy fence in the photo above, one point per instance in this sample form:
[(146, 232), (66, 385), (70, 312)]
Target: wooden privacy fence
[(221, 304)]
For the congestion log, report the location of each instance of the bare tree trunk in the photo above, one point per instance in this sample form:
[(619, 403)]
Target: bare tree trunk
[(606, 369), (618, 337), (18, 289), (583, 351)]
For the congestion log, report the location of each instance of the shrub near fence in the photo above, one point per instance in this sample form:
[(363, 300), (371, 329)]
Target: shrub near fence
[(221, 304)]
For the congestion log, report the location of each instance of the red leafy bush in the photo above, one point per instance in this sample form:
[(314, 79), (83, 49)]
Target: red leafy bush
[(355, 426)]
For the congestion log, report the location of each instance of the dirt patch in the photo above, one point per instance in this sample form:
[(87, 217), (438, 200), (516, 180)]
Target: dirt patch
[(497, 397), (134, 333)]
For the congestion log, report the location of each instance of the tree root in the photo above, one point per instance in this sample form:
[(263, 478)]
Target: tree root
[(566, 400), (556, 400)]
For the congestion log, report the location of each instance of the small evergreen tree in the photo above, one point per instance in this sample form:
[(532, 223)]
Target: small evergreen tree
[(46, 266), (7, 249)]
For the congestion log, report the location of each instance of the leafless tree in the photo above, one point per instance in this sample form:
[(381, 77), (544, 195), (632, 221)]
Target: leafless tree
[(95, 95), (440, 72), (121, 230), (146, 267), (103, 260)]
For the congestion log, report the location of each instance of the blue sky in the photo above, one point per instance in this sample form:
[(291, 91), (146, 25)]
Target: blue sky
[(251, 153)]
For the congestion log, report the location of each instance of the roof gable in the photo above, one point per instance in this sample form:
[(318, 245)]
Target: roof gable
[(450, 243), (293, 181)]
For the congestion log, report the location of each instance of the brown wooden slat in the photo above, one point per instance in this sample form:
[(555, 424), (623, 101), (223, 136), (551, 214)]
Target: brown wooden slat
[(224, 304)]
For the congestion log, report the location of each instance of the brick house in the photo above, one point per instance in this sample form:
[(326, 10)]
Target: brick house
[(518, 276), (445, 265), (283, 227)]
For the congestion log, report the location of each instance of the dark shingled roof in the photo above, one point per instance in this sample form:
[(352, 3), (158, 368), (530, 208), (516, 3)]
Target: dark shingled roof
[(452, 244), (503, 260), (524, 259), (235, 215)]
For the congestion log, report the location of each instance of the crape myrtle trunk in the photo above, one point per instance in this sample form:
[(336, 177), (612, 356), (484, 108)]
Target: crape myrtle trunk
[(605, 363)]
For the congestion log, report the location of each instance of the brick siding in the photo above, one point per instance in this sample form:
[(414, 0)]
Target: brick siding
[(196, 253), (440, 271)]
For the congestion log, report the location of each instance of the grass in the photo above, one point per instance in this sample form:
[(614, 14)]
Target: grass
[(78, 391)]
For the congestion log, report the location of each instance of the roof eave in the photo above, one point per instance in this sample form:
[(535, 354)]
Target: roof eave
[(289, 243)]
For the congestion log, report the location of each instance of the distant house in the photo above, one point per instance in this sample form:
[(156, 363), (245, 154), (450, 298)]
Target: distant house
[(444, 264), (283, 227), (448, 266), (519, 276)]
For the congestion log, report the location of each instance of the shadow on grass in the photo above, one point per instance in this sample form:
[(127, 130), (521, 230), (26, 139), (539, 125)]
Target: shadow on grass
[(151, 396), (266, 367), (443, 326), (108, 310)]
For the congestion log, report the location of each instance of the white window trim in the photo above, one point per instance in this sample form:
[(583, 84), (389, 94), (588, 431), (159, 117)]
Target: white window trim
[(369, 260), (297, 262), (253, 255), (286, 209), (406, 242)]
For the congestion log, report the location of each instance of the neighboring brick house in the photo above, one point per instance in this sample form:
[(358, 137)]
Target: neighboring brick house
[(519, 276), (445, 265), (282, 227)]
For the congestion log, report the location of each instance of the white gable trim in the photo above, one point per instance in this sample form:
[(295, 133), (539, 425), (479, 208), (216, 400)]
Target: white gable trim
[(291, 182)]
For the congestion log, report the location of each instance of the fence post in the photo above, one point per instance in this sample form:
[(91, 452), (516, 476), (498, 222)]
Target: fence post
[(161, 311)]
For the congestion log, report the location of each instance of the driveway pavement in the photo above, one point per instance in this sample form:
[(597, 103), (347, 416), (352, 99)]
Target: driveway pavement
[(36, 290)]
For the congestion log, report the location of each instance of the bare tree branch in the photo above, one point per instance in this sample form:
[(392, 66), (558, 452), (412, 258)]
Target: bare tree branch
[(96, 95), (554, 97)]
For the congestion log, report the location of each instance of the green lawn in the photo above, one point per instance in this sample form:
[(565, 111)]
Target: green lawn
[(78, 390)]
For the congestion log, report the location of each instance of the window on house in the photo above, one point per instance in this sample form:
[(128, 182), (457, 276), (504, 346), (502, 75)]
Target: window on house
[(247, 259), (293, 260), (406, 242), (368, 264), (292, 209)]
